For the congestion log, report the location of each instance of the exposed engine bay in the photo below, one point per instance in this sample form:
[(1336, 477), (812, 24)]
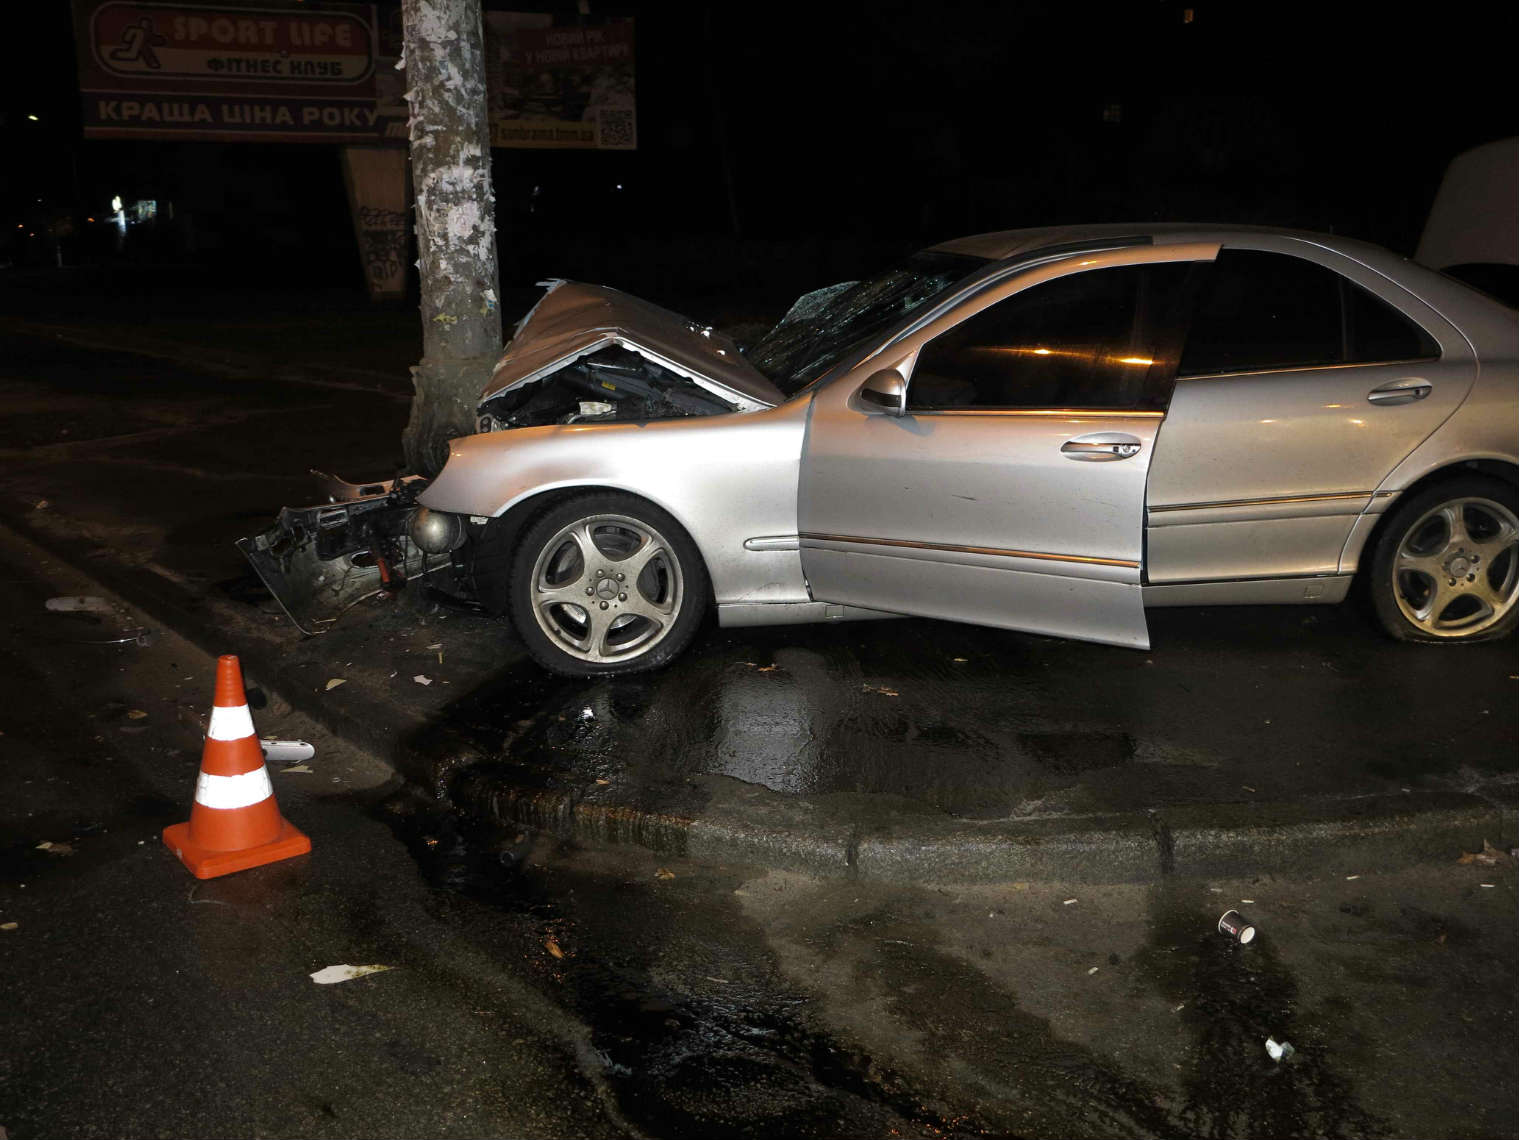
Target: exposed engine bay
[(614, 383)]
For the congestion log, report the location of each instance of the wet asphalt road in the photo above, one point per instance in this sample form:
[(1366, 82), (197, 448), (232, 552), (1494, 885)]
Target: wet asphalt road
[(542, 990), (1232, 705)]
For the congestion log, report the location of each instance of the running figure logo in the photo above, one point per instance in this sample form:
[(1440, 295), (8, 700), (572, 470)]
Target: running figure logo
[(137, 43)]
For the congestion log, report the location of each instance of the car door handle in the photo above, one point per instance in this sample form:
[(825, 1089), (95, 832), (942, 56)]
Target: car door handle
[(1400, 392), (1103, 447)]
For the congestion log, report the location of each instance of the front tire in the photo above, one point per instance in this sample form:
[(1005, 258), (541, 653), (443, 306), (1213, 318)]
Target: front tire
[(1446, 565), (606, 583)]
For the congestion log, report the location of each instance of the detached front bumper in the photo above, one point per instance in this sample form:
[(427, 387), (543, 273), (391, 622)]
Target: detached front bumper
[(321, 560)]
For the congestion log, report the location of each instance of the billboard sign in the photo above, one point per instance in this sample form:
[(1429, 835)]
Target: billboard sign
[(559, 87), (174, 71), (327, 73)]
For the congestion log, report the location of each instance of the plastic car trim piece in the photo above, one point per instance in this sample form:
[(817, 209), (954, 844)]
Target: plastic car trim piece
[(1041, 556)]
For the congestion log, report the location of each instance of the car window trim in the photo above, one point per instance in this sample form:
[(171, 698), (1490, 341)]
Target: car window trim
[(1308, 368), (1083, 413)]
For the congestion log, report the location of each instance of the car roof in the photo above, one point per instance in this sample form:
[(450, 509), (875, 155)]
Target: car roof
[(1006, 245)]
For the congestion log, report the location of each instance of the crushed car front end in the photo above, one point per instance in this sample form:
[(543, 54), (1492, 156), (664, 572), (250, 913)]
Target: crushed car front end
[(584, 355)]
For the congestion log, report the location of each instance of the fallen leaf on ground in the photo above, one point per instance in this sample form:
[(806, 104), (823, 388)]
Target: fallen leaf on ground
[(335, 682), (1068, 902), (344, 973), (297, 768), (422, 679), (1093, 970), (551, 944), (602, 782), (9, 925), (882, 689), (135, 714), (664, 873), (961, 660), (436, 645), (1489, 855), (55, 848)]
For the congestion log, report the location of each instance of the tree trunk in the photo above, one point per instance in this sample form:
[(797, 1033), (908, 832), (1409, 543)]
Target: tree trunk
[(456, 224)]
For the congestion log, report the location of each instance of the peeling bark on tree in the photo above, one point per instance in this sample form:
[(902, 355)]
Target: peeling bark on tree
[(456, 227)]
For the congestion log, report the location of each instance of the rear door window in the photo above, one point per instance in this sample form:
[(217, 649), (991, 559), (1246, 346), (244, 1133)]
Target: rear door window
[(1261, 311)]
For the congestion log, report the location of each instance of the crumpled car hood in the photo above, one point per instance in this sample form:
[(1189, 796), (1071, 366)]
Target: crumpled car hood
[(573, 320)]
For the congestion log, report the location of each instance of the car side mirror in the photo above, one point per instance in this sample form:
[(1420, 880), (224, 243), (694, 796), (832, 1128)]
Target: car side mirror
[(887, 390)]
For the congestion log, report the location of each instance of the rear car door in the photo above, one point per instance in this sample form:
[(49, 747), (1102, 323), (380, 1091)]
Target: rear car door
[(1011, 492), (1306, 378)]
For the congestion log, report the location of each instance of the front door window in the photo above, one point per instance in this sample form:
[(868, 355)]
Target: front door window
[(1104, 339)]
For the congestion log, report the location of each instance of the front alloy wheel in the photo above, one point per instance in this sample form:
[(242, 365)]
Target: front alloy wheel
[(1447, 566), (606, 584)]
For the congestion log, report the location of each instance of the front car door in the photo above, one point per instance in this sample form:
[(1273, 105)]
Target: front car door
[(1011, 492)]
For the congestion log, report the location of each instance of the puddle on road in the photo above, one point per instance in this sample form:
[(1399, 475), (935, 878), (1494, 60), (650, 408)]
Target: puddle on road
[(737, 1059), (836, 715)]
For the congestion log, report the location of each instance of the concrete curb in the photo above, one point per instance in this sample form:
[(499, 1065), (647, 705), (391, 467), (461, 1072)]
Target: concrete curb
[(873, 838)]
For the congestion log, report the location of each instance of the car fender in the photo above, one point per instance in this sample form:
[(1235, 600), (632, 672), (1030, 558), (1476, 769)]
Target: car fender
[(725, 479)]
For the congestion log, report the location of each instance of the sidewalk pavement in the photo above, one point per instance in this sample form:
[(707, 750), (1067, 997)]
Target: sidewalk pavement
[(442, 693)]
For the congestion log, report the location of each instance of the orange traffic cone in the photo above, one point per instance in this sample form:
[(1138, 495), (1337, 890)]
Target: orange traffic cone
[(234, 823)]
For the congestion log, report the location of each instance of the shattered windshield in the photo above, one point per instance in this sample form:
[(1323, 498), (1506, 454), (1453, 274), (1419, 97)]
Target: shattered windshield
[(822, 326)]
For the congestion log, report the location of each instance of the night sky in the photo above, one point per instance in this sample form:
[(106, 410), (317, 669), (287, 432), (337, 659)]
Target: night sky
[(840, 132)]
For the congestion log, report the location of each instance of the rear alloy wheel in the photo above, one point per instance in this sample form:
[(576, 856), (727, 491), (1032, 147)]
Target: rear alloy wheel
[(606, 584), (1446, 567)]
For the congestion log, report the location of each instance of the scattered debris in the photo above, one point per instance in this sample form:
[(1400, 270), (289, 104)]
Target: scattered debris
[(1278, 1050), (882, 689), (1349, 878), (286, 751), (305, 768), (79, 604), (664, 873), (602, 781), (1237, 927), (1247, 902), (1068, 902), (1179, 1008), (344, 973), (9, 925), (422, 679), (436, 645), (1093, 970), (719, 981), (40, 505), (551, 944), (135, 714), (139, 636), (961, 660), (1489, 856), (55, 848), (1486, 886), (1247, 787), (335, 682)]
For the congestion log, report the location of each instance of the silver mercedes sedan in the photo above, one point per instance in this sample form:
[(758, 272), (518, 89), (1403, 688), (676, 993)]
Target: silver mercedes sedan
[(1047, 430)]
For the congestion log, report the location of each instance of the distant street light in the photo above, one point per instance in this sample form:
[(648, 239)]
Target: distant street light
[(33, 118)]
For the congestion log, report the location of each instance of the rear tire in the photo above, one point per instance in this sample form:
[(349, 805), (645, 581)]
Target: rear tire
[(606, 583), (1445, 568)]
